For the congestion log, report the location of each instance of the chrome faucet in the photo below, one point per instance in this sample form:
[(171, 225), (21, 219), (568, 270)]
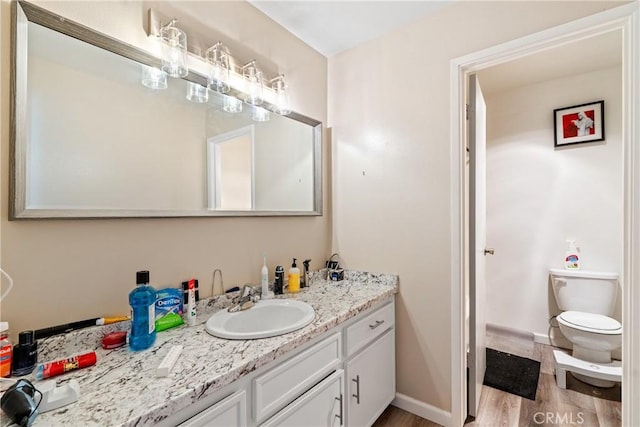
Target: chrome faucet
[(248, 297)]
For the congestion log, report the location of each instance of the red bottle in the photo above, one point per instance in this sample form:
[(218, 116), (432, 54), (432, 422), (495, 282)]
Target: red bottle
[(51, 369)]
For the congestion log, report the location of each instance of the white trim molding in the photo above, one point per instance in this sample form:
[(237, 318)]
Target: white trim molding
[(422, 409), (627, 20)]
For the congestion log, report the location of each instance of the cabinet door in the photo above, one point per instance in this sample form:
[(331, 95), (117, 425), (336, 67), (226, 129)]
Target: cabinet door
[(322, 406), (371, 381), (229, 412)]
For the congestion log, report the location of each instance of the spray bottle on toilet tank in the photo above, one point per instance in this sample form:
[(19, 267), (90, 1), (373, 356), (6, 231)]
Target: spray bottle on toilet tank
[(572, 259)]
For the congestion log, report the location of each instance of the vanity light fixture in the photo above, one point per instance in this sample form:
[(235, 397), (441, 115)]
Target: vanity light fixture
[(253, 75), (231, 104), (220, 70), (174, 50), (153, 77), (260, 114), (281, 105), (218, 58), (197, 93)]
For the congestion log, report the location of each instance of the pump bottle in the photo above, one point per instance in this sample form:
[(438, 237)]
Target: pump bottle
[(294, 278), (143, 325)]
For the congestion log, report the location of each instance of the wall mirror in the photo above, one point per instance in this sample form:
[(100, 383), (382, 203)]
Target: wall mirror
[(90, 141)]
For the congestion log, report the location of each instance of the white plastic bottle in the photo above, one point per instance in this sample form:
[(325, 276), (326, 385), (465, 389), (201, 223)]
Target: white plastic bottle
[(265, 279), (572, 259)]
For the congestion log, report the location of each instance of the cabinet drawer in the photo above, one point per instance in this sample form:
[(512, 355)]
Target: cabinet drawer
[(322, 406), (366, 329), (287, 381), (229, 412)]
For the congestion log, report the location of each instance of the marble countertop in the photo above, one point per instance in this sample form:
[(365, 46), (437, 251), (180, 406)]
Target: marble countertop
[(122, 389)]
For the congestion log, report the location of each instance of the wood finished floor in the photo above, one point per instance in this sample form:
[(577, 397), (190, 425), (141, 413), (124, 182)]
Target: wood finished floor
[(578, 405)]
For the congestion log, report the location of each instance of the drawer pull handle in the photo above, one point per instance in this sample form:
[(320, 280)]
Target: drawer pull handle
[(339, 416), (357, 395), (378, 323)]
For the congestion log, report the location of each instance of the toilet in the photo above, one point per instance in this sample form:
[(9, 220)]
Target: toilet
[(587, 299)]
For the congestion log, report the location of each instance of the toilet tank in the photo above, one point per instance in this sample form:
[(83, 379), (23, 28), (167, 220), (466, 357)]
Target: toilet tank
[(586, 291)]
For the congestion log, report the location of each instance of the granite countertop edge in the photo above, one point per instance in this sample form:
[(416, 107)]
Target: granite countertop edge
[(329, 299)]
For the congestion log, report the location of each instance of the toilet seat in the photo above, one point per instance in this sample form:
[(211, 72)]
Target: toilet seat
[(590, 322)]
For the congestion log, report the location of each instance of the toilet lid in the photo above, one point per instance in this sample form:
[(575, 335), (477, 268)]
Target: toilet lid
[(591, 322)]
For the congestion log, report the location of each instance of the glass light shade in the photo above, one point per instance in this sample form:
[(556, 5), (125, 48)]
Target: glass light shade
[(153, 78), (253, 75), (174, 51), (232, 105), (197, 93), (260, 114), (219, 76), (281, 105)]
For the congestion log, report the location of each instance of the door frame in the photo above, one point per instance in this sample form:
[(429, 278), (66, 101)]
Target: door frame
[(214, 164), (626, 19)]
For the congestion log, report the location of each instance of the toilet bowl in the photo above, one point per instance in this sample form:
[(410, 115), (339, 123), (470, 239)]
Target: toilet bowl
[(587, 299)]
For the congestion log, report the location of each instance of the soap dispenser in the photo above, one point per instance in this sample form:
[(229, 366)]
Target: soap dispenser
[(294, 278)]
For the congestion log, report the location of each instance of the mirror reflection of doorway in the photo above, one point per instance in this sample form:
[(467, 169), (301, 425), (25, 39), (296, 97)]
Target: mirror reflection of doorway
[(230, 163)]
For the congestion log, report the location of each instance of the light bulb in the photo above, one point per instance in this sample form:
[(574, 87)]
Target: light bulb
[(197, 93), (254, 82), (217, 57), (174, 50), (260, 114), (154, 78), (281, 105)]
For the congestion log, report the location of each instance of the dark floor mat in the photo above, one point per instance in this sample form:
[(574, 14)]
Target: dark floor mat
[(513, 374)]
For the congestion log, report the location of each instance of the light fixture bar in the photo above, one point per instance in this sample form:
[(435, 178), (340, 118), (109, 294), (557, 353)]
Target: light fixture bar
[(200, 69)]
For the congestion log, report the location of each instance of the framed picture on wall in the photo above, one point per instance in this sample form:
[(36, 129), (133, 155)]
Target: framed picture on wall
[(579, 124)]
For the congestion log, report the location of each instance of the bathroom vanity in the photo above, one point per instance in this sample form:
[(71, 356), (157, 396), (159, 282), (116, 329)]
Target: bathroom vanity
[(338, 370)]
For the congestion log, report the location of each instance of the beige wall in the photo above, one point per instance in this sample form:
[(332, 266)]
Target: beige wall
[(389, 116), (68, 270)]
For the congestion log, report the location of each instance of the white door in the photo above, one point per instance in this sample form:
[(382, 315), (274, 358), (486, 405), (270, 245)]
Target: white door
[(477, 241)]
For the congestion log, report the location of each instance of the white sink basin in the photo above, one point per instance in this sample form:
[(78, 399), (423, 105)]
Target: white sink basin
[(267, 318)]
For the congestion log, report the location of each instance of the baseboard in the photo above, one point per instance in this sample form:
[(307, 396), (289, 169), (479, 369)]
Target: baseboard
[(541, 338), (505, 330), (422, 409)]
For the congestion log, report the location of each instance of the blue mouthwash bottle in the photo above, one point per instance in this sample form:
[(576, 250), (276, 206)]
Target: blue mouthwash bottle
[(143, 323)]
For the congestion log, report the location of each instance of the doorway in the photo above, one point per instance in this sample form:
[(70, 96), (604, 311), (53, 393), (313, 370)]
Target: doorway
[(230, 170), (623, 19)]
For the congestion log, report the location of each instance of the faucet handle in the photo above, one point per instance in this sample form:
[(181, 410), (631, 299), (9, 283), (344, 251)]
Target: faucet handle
[(247, 290)]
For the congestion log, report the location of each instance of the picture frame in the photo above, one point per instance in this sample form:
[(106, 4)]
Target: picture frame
[(579, 124)]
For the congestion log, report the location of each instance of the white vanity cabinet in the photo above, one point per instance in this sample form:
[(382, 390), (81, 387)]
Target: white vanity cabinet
[(346, 377), (370, 366)]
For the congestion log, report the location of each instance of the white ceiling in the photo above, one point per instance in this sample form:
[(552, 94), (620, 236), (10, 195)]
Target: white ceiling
[(331, 27)]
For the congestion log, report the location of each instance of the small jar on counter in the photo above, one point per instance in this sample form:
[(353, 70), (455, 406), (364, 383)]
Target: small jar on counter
[(25, 354)]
